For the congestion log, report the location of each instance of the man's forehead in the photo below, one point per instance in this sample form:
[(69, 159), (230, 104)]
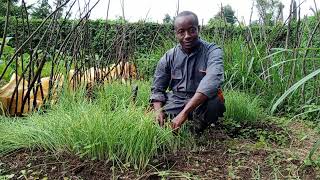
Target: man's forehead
[(185, 20)]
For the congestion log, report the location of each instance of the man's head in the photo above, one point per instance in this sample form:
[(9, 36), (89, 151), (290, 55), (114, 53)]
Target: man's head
[(187, 28)]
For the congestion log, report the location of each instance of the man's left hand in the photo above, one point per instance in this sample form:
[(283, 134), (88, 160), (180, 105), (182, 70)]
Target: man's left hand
[(178, 121), (195, 101)]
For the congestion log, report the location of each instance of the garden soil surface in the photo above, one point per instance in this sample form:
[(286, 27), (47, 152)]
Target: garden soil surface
[(216, 155)]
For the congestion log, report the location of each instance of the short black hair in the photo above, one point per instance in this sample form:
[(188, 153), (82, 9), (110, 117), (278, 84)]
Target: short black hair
[(188, 13)]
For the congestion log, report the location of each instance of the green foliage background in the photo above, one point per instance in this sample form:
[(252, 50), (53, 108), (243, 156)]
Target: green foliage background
[(145, 36)]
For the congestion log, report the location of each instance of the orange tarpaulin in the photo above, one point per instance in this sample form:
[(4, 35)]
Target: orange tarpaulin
[(11, 103)]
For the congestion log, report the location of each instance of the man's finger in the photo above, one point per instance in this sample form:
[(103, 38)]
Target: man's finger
[(174, 126), (161, 122), (175, 129)]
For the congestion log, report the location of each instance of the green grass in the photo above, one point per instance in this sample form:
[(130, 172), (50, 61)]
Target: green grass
[(108, 126), (242, 108), (111, 128)]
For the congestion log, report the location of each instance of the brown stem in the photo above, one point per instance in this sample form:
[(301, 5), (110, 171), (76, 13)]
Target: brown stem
[(5, 29)]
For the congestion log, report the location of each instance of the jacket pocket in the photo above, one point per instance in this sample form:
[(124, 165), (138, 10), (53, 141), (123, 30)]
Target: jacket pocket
[(176, 78), (200, 74)]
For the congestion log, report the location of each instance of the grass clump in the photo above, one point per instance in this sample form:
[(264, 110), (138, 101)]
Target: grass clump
[(245, 118), (111, 127), (242, 108)]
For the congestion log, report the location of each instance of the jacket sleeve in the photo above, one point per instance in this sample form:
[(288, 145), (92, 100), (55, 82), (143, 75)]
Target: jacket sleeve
[(214, 77), (161, 80)]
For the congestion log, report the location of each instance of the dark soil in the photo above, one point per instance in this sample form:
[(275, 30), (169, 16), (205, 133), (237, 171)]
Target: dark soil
[(216, 156)]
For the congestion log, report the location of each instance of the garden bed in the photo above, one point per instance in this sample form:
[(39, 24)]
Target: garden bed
[(215, 155)]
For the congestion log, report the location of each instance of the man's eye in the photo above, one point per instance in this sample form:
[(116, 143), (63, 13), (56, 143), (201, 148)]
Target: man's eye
[(192, 30)]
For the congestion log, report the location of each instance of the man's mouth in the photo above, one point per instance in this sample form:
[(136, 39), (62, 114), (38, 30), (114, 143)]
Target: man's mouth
[(188, 43)]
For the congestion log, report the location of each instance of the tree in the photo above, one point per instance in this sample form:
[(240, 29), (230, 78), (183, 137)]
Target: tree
[(42, 11), (58, 3), (213, 22), (267, 9), (14, 8), (225, 14), (167, 19)]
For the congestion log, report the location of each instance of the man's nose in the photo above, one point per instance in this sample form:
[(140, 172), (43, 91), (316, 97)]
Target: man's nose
[(187, 35)]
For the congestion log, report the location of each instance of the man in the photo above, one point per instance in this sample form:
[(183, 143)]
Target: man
[(193, 72)]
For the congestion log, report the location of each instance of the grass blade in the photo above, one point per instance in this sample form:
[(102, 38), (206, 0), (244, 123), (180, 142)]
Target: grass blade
[(293, 88)]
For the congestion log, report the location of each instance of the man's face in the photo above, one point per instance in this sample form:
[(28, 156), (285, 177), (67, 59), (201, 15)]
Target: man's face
[(187, 32)]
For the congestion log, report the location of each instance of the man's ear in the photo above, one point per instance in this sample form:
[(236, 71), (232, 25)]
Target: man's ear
[(199, 28)]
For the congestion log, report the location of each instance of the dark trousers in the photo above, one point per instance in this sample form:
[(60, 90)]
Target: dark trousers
[(204, 115)]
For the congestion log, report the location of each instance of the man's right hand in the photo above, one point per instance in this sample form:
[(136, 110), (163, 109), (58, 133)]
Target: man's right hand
[(160, 117)]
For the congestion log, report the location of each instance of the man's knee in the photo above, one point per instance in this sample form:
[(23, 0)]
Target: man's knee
[(210, 111), (215, 107)]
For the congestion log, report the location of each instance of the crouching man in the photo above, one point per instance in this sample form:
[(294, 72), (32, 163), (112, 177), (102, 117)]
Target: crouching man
[(193, 72)]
